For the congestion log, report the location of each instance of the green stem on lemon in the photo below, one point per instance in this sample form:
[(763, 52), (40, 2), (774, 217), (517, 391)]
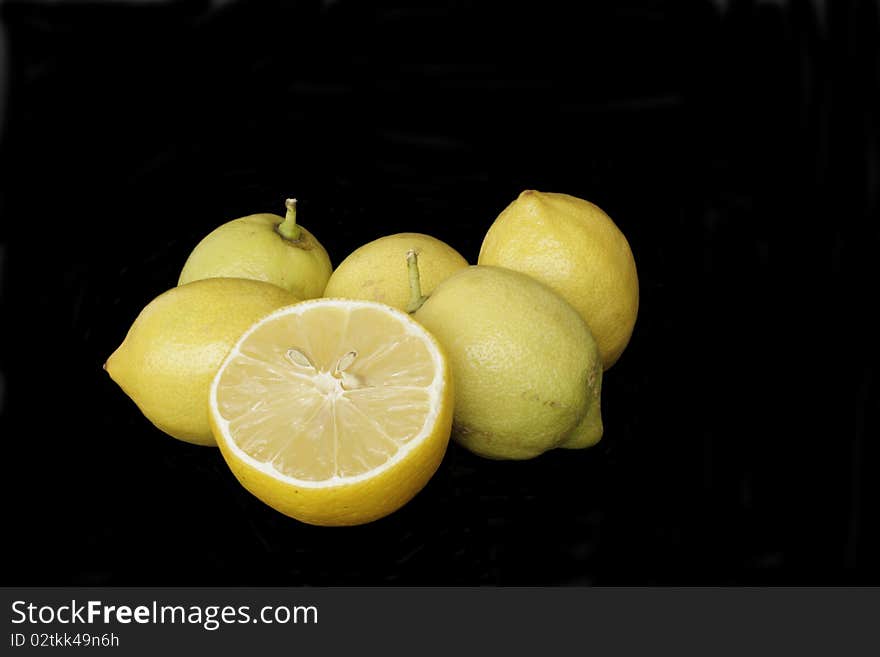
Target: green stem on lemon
[(416, 299), (288, 228)]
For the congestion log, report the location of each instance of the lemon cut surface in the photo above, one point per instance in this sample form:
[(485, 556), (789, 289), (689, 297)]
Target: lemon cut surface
[(334, 412)]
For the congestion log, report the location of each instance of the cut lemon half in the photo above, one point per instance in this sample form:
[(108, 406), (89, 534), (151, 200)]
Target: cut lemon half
[(332, 411)]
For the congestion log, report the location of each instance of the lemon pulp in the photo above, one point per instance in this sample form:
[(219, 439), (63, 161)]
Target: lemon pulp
[(330, 394)]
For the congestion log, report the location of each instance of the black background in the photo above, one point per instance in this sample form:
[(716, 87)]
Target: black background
[(736, 147)]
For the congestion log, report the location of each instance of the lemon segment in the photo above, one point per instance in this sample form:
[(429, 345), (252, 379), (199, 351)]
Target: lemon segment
[(334, 412)]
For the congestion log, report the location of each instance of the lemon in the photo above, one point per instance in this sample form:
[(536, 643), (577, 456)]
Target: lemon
[(377, 271), (262, 247), (174, 347), (575, 248), (332, 411), (526, 368)]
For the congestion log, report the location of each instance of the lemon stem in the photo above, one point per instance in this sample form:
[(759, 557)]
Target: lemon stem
[(416, 299), (288, 228)]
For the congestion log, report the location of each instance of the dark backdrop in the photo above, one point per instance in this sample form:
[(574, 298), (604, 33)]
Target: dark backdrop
[(735, 144)]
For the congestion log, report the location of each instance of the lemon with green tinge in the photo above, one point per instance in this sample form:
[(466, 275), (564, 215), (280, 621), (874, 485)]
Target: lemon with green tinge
[(175, 346), (263, 247), (377, 271), (334, 411), (526, 368), (574, 247)]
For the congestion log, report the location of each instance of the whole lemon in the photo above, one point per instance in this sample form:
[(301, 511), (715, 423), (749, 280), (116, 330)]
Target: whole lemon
[(262, 247), (575, 248), (176, 345), (526, 369), (378, 270)]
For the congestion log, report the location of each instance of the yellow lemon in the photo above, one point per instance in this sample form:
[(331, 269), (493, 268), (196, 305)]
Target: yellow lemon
[(332, 411), (377, 271), (575, 248), (527, 371), (174, 347), (262, 247)]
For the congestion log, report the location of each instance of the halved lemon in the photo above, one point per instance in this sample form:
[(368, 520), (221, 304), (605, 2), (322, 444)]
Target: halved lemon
[(332, 411)]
